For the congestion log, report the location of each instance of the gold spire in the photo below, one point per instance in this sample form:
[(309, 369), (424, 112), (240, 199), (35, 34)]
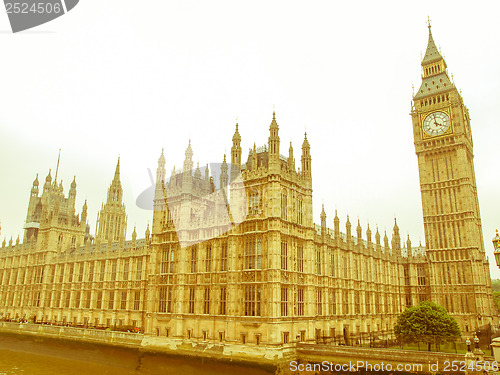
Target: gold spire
[(57, 168), (432, 54), (117, 170)]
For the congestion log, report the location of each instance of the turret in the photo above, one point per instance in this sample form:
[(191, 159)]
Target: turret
[(83, 218), (197, 172), (188, 161), (274, 145), (306, 158), (291, 161), (34, 189), (369, 235), (323, 220), (377, 240), (187, 175), (386, 241), (396, 239), (111, 220), (254, 158), (336, 226), (358, 232), (134, 238), (48, 182), (224, 178), (348, 229), (236, 154), (159, 198), (32, 217), (207, 179), (147, 235), (72, 190)]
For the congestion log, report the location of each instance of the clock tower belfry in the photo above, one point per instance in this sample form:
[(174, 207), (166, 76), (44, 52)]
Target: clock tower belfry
[(458, 269)]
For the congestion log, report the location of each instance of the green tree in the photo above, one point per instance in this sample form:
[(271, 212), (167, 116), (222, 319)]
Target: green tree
[(427, 322), (495, 285)]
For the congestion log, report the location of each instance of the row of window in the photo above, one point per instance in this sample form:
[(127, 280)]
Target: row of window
[(375, 303), (72, 272), (434, 100), (436, 68), (284, 207), (123, 300), (133, 270)]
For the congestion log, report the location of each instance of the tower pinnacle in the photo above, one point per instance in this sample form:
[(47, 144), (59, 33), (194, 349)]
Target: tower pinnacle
[(117, 171), (431, 53)]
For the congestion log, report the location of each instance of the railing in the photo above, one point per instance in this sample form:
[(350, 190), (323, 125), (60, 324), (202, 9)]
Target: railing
[(85, 334)]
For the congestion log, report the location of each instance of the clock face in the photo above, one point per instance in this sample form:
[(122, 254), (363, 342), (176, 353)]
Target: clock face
[(436, 123)]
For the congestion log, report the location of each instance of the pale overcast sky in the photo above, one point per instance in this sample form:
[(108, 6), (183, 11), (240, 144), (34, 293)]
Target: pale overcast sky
[(121, 77)]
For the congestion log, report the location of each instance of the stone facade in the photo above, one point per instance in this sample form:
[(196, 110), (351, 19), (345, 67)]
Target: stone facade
[(237, 258), (459, 271)]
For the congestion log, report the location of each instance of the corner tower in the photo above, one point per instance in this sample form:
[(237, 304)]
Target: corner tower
[(460, 279), (112, 219)]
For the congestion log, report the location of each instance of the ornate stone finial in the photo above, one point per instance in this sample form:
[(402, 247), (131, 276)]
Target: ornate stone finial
[(428, 22), (48, 179)]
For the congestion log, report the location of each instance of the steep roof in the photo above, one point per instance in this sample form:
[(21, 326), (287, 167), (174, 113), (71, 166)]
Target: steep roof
[(432, 53), (434, 85)]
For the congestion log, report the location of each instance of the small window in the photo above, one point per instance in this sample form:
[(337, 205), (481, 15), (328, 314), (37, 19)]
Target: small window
[(286, 337)]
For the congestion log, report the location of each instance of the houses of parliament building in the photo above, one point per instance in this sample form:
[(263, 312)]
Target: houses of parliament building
[(235, 257)]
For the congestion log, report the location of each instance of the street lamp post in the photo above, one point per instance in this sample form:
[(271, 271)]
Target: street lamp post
[(496, 246)]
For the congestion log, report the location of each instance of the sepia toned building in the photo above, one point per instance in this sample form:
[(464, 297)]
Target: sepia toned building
[(234, 256)]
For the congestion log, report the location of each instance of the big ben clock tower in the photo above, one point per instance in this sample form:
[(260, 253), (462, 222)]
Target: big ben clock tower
[(458, 269)]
